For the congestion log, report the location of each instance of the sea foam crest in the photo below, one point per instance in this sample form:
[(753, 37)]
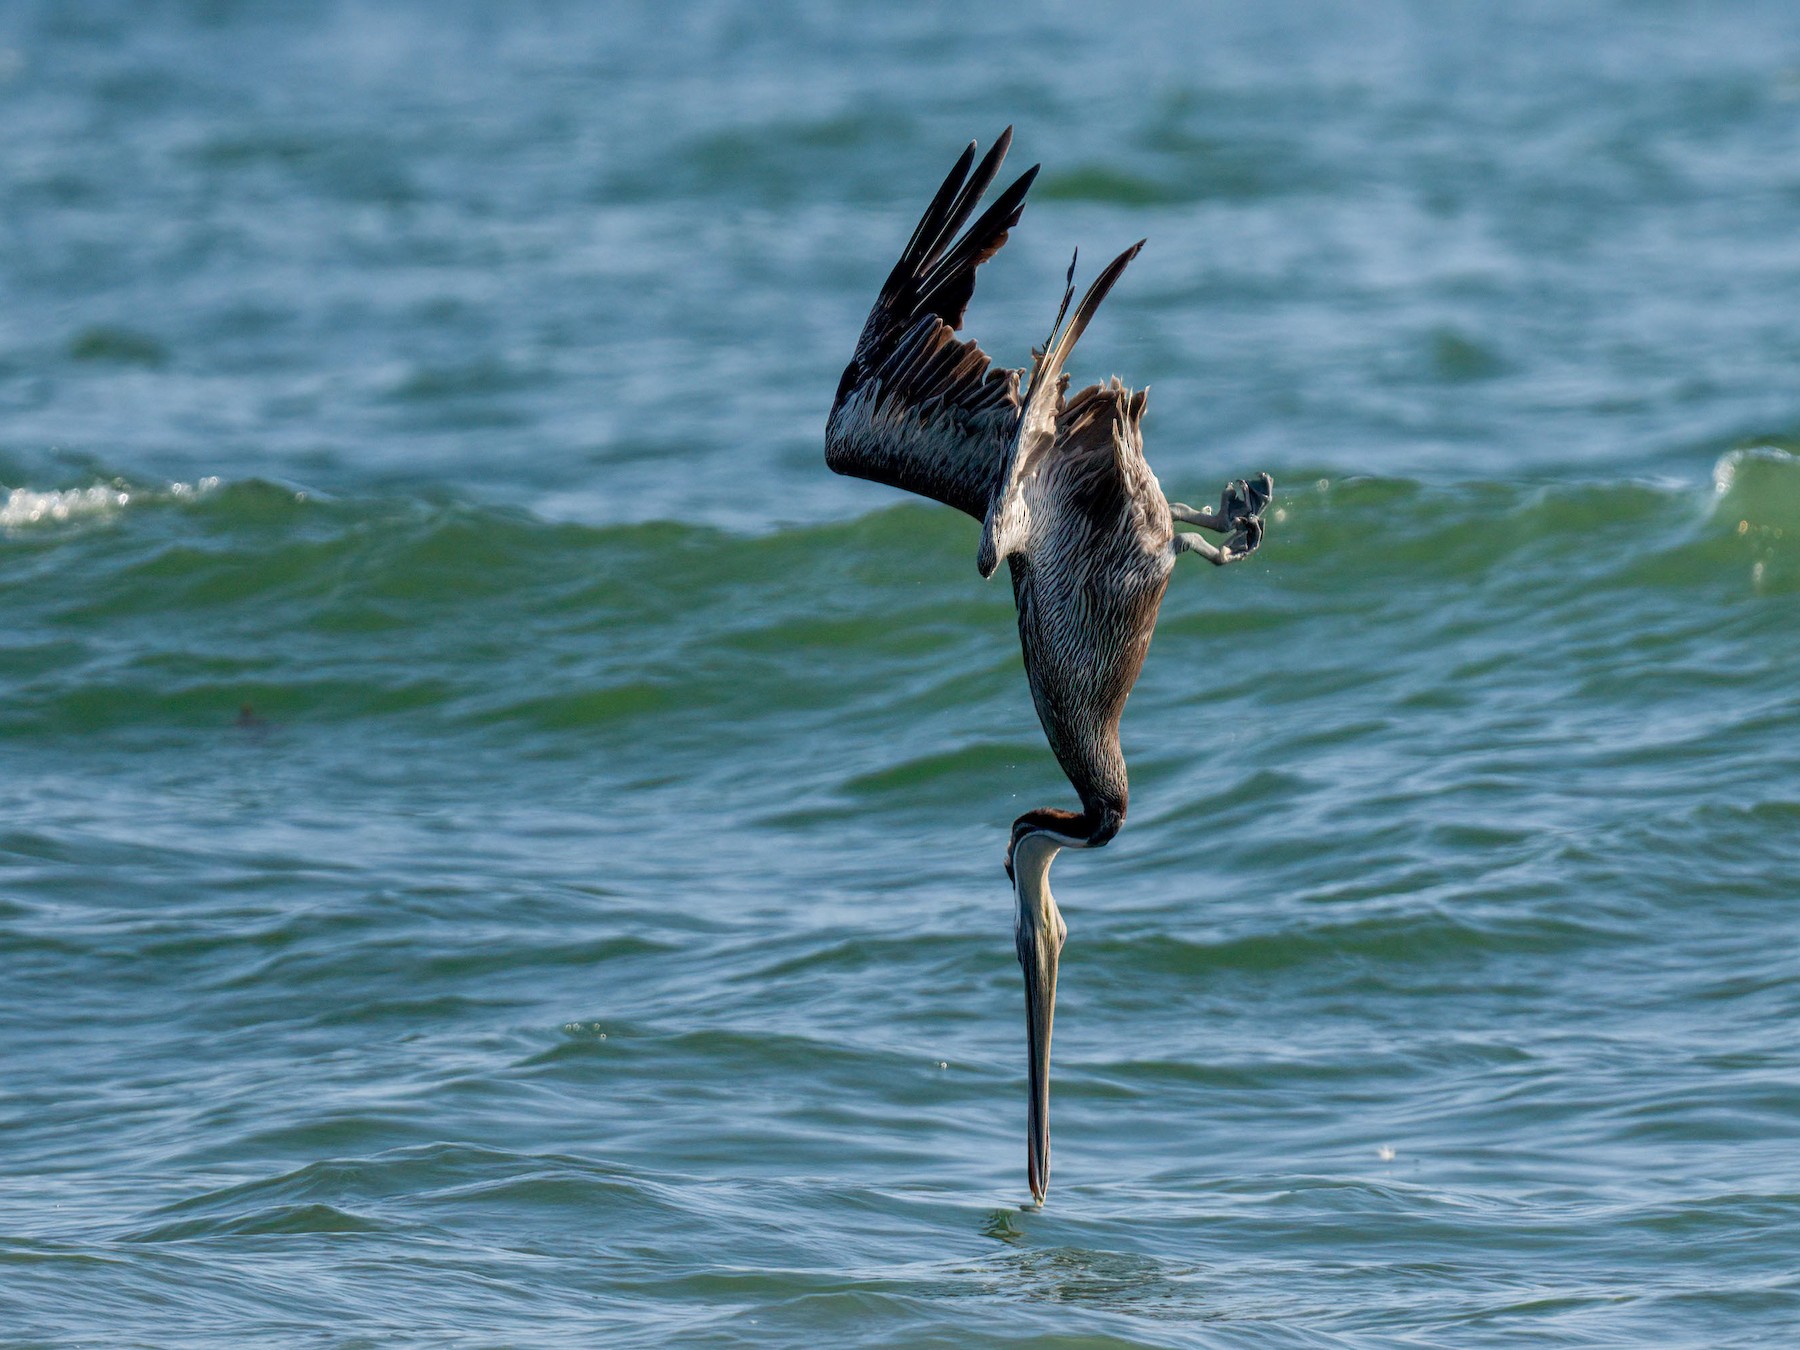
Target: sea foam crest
[(1736, 463), (27, 506), (1758, 488)]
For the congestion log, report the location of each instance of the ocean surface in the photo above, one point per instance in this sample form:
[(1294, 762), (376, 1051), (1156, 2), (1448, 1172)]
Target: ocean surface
[(499, 847)]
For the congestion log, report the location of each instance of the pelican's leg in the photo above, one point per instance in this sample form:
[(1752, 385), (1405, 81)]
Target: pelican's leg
[(1193, 543), (1240, 511), (1240, 545), (1239, 499), (1193, 515)]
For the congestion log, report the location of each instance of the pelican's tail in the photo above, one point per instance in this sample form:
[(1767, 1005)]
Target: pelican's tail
[(1002, 533)]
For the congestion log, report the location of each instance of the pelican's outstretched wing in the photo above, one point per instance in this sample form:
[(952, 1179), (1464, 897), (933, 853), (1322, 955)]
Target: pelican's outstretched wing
[(917, 409)]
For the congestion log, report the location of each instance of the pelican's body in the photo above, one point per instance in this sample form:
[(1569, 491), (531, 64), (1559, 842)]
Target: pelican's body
[(1065, 497)]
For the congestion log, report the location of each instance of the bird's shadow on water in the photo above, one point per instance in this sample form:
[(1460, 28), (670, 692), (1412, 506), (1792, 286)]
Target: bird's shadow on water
[(1126, 1282)]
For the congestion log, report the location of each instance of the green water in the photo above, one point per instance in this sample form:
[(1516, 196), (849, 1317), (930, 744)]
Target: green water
[(593, 931)]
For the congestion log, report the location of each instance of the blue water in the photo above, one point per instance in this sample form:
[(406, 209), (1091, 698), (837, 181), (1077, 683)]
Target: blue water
[(499, 847)]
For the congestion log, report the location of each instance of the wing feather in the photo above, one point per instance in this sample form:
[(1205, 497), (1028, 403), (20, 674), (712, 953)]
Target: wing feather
[(918, 408)]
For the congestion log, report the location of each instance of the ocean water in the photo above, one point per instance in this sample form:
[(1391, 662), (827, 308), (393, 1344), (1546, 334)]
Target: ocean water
[(499, 847)]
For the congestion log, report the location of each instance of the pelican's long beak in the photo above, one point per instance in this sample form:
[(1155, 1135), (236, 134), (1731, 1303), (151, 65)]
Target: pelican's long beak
[(1039, 934), (1038, 956)]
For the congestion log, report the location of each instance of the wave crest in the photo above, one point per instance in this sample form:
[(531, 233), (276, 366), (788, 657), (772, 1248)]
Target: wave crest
[(27, 506)]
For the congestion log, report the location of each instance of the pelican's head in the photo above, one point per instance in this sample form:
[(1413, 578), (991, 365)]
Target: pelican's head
[(1039, 932)]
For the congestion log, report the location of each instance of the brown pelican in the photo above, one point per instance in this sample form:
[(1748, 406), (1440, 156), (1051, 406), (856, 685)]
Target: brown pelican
[(1065, 497)]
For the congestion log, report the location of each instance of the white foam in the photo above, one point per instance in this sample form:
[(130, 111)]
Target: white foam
[(26, 506), (1725, 472)]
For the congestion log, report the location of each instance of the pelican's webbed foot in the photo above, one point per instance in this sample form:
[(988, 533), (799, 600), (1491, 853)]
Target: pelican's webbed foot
[(1241, 508)]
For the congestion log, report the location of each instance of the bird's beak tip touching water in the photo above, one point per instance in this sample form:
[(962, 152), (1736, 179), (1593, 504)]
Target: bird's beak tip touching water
[(1039, 934)]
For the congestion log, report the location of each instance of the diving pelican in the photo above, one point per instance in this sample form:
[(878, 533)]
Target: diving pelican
[(1064, 497)]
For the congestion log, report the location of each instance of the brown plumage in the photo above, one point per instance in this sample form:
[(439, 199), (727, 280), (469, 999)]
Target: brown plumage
[(1065, 497), (916, 409)]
